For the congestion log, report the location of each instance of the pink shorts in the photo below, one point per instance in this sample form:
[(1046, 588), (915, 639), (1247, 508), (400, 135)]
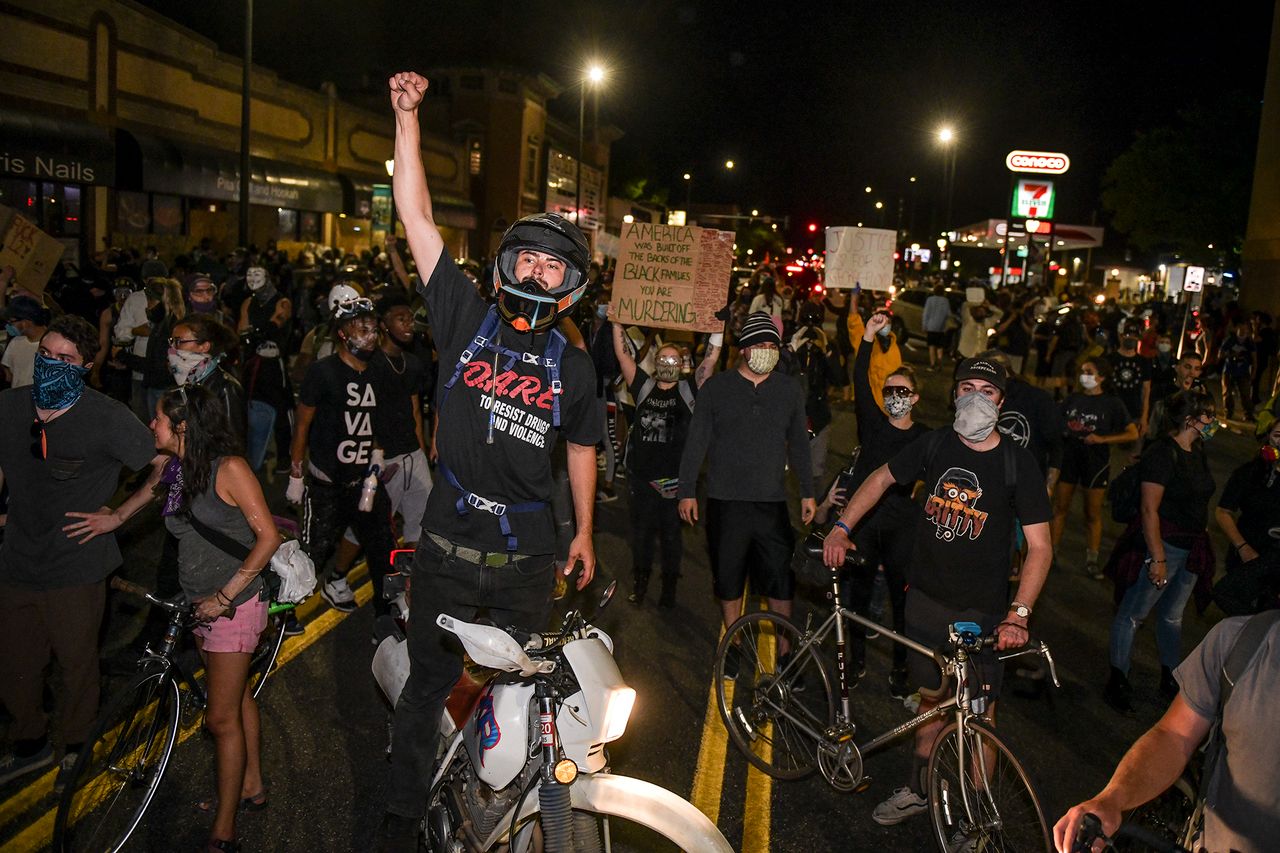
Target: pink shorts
[(239, 633)]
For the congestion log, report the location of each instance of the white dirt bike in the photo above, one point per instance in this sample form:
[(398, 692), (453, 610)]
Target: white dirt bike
[(522, 765)]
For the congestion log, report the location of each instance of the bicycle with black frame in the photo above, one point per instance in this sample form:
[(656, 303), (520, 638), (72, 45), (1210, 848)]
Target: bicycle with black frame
[(782, 713), (123, 762)]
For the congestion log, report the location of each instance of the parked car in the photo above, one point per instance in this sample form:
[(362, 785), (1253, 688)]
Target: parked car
[(908, 312)]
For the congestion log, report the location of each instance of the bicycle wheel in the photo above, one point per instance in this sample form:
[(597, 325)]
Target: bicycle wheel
[(980, 797), (120, 768), (776, 718), (263, 663)]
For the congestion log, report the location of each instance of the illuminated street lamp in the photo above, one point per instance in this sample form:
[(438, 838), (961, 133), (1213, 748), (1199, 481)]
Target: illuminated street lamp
[(593, 76), (947, 138), (728, 164), (688, 190)]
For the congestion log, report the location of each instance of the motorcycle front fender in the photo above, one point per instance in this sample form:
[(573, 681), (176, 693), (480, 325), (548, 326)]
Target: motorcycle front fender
[(637, 801)]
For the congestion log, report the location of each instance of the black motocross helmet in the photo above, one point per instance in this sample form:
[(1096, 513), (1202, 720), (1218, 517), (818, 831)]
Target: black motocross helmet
[(524, 305)]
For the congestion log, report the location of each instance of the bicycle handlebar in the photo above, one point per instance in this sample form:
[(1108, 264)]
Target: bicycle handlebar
[(131, 588), (851, 557), (1091, 831)]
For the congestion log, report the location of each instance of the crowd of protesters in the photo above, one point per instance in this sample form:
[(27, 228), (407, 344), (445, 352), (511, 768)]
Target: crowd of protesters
[(317, 366)]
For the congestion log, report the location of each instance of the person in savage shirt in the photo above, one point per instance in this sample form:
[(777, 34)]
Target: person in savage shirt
[(752, 423), (514, 388), (62, 446), (980, 486), (1131, 375), (339, 399)]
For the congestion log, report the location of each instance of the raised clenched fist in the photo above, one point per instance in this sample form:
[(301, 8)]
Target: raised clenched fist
[(407, 89)]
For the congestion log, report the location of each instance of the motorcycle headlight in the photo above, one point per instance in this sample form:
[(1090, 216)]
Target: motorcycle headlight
[(618, 711)]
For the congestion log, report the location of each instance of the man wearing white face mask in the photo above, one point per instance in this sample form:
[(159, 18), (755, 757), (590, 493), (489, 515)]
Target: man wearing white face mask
[(265, 320), (752, 423), (980, 484)]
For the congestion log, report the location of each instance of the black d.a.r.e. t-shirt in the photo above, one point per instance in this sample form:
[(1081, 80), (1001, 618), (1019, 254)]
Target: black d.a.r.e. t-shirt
[(341, 439), (965, 540), (516, 467)]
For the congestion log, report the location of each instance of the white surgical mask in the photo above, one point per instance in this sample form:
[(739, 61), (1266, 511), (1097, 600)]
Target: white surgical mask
[(761, 361), (976, 416), (1088, 381), (187, 366), (1164, 347), (897, 407)]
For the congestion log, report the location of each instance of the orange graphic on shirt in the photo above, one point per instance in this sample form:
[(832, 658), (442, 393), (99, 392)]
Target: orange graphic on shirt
[(952, 506)]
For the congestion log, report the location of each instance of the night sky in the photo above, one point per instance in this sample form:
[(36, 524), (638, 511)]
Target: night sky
[(813, 101)]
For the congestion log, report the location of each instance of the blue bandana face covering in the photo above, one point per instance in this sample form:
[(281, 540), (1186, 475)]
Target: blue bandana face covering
[(56, 384)]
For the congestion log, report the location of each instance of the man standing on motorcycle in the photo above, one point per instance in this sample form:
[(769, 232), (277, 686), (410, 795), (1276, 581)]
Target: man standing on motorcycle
[(508, 385)]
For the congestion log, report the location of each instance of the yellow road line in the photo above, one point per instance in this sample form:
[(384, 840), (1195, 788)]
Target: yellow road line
[(758, 810), (40, 833), (708, 776)]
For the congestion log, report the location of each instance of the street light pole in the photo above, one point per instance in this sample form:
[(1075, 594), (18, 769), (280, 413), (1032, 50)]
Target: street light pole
[(245, 98), (577, 183)]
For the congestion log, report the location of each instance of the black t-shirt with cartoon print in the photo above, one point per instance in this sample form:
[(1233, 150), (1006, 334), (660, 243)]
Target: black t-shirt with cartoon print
[(964, 544), (660, 427), (514, 468), (341, 438)]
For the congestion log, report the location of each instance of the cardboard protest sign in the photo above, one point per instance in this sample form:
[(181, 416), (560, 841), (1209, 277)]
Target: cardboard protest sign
[(33, 254), (860, 256), (671, 277)]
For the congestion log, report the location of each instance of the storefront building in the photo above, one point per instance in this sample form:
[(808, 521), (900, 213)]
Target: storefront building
[(119, 126)]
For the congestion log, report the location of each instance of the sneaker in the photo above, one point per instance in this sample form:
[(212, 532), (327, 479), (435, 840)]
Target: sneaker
[(12, 765), (1094, 571), (902, 804), (605, 496), (292, 627), (731, 662), (962, 842), (339, 595), (65, 767), (898, 687)]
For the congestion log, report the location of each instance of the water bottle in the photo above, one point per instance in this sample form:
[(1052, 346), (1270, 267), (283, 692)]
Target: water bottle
[(369, 487)]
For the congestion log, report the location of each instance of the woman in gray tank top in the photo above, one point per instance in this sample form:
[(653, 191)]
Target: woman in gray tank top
[(210, 481)]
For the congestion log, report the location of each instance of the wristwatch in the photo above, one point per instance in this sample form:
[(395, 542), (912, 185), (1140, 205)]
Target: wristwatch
[(1020, 610)]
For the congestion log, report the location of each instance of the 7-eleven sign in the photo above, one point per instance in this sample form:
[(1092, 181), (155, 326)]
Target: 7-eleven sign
[(1033, 199)]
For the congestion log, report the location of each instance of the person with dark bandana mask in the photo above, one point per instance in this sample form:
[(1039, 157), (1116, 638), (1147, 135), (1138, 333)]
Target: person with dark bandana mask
[(202, 296), (62, 447), (510, 387), (265, 323), (334, 449)]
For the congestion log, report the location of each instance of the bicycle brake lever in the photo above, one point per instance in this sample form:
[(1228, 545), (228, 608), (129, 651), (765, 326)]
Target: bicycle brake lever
[(1048, 656)]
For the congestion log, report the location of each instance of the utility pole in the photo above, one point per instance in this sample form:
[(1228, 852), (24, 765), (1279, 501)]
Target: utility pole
[(245, 98)]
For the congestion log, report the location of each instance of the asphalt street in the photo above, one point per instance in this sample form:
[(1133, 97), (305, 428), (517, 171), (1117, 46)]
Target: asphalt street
[(325, 723)]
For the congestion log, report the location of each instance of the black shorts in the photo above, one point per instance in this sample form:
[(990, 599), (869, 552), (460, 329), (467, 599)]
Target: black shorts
[(927, 623), (936, 339), (750, 538), (1087, 466)]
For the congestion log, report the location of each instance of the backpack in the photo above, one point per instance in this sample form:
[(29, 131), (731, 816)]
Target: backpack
[(1124, 493)]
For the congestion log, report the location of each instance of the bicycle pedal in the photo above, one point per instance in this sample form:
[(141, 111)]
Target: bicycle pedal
[(863, 784)]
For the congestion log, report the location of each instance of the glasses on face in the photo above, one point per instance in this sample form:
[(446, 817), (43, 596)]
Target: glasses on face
[(173, 342), (39, 441), (896, 391)]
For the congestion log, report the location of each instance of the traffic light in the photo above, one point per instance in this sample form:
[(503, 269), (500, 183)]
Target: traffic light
[(813, 226)]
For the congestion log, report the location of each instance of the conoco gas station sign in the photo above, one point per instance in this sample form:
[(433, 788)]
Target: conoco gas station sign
[(1039, 162)]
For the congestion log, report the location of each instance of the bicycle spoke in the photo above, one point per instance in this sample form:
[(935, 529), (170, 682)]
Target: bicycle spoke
[(980, 797)]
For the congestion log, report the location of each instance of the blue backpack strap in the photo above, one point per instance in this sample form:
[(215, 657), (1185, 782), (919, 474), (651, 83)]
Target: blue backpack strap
[(483, 338), (551, 361), (469, 500)]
